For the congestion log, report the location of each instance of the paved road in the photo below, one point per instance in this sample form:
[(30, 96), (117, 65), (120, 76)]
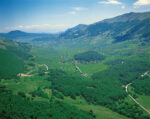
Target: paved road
[(126, 88)]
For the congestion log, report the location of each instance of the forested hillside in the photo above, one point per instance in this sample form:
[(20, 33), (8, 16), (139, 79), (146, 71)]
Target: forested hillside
[(89, 56), (12, 57)]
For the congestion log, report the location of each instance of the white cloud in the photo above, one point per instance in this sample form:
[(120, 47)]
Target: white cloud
[(73, 12), (41, 27), (79, 8), (123, 7), (114, 2), (141, 3)]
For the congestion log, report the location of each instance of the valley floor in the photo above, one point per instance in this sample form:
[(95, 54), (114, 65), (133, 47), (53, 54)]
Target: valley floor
[(36, 84)]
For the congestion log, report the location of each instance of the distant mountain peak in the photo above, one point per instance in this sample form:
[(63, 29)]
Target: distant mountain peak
[(16, 31)]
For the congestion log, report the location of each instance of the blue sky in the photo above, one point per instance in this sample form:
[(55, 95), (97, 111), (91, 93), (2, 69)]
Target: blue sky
[(58, 15)]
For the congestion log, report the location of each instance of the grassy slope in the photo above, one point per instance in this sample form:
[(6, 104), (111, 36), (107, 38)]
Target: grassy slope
[(10, 64), (144, 100), (92, 68), (55, 58), (12, 57), (62, 58), (26, 84), (100, 111)]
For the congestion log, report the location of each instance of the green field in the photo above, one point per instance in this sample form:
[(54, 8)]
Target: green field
[(25, 84), (100, 111), (90, 69), (53, 59), (144, 100)]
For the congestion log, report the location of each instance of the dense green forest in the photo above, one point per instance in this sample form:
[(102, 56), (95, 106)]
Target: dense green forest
[(94, 91), (125, 70), (89, 56), (17, 107), (141, 85)]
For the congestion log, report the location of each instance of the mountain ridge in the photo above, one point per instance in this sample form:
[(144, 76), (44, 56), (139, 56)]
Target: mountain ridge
[(128, 17), (116, 28)]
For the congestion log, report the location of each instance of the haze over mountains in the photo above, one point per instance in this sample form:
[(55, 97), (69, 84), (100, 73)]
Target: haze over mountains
[(121, 28)]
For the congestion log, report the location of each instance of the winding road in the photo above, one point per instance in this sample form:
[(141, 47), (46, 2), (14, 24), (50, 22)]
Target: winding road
[(83, 74), (45, 66), (28, 73), (126, 88)]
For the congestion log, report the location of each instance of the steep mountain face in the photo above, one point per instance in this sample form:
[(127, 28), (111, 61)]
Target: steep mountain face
[(80, 26), (74, 32), (130, 26), (12, 57), (117, 25), (140, 31)]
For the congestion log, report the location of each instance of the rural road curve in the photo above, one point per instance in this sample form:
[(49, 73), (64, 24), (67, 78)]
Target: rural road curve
[(83, 74), (36, 68), (126, 88), (45, 66)]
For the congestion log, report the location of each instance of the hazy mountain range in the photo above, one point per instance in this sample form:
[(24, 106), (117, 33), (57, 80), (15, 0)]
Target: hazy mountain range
[(121, 28)]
